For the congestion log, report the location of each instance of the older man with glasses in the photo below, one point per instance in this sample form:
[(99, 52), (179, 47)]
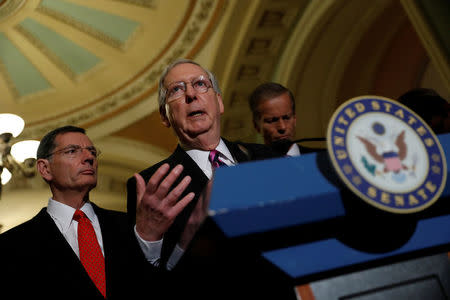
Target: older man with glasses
[(73, 249), (190, 102)]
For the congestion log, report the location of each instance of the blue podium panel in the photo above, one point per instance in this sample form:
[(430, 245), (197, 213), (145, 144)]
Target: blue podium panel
[(326, 255), (259, 196), (277, 195)]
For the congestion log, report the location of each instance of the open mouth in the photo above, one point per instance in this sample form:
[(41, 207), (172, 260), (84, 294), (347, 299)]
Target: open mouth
[(196, 113)]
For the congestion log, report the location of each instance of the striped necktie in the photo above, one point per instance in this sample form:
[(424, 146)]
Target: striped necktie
[(215, 160)]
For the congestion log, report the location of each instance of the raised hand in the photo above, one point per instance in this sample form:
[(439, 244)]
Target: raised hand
[(158, 205)]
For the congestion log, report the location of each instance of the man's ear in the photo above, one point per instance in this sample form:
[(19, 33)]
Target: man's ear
[(163, 115), (219, 100), (43, 167)]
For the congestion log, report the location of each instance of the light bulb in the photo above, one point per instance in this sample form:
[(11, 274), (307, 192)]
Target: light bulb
[(10, 123), (6, 176), (24, 149)]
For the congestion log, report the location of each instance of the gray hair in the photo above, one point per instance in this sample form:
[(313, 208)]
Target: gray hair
[(162, 90)]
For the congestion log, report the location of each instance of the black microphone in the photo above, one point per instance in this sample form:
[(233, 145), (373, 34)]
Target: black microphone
[(317, 139), (281, 147)]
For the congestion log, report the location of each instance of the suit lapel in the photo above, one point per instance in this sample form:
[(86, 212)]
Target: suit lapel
[(190, 167), (199, 181), (237, 152), (61, 260)]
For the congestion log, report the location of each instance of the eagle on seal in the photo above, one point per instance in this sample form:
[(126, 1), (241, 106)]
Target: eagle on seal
[(392, 160)]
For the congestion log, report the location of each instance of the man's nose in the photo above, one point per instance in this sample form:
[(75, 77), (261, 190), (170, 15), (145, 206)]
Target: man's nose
[(88, 156), (281, 126), (191, 93)]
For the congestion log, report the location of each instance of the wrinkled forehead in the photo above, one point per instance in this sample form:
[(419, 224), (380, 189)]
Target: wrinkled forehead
[(276, 106), (72, 138), (184, 72)]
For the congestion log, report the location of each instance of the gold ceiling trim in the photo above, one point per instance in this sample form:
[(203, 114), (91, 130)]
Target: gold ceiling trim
[(185, 42), (144, 3), (47, 52), (8, 8), (154, 76), (86, 28), (8, 81)]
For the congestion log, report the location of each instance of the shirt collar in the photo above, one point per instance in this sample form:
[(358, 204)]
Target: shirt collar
[(64, 213), (224, 152), (201, 156), (294, 150)]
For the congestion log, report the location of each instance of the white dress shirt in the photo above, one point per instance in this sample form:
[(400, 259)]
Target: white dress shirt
[(201, 158), (62, 215), (294, 150), (152, 250)]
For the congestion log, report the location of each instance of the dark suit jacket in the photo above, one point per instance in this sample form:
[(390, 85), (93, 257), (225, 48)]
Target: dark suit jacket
[(241, 152), (37, 262), (213, 261)]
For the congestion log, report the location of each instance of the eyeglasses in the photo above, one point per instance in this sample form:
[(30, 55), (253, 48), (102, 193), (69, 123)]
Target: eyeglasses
[(74, 151), (178, 89)]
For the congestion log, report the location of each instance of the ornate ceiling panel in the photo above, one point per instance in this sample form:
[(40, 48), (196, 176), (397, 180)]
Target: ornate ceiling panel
[(81, 62)]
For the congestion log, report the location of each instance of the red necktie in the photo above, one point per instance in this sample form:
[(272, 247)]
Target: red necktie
[(215, 160), (91, 255)]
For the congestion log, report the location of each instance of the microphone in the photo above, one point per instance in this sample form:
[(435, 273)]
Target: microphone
[(316, 139), (282, 146)]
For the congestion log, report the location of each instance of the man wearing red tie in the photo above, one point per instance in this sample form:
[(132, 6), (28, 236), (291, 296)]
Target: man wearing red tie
[(73, 249), (190, 102)]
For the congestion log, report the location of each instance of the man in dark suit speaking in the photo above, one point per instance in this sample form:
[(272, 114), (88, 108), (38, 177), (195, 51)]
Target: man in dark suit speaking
[(73, 249), (190, 102)]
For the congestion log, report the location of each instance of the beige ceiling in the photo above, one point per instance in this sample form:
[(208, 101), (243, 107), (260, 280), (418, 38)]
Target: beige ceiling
[(96, 64)]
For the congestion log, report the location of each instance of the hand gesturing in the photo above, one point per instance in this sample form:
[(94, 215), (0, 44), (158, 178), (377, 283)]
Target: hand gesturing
[(157, 205)]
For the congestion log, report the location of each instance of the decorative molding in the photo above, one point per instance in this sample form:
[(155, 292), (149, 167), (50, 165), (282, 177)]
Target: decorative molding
[(47, 52), (11, 85), (9, 7), (198, 23), (9, 82), (97, 34), (144, 3), (261, 48)]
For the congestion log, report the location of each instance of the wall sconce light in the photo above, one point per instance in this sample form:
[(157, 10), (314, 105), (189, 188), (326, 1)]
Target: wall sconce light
[(18, 158)]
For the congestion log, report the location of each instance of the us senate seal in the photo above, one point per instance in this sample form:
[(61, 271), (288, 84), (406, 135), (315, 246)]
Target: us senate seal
[(386, 154)]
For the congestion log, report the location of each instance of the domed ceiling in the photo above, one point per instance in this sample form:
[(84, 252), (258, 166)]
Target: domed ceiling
[(80, 62)]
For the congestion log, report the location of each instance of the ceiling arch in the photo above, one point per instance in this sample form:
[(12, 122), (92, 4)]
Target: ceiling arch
[(326, 52), (84, 62)]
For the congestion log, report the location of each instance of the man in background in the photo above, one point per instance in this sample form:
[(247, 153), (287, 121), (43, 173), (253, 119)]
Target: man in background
[(273, 109), (430, 106)]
